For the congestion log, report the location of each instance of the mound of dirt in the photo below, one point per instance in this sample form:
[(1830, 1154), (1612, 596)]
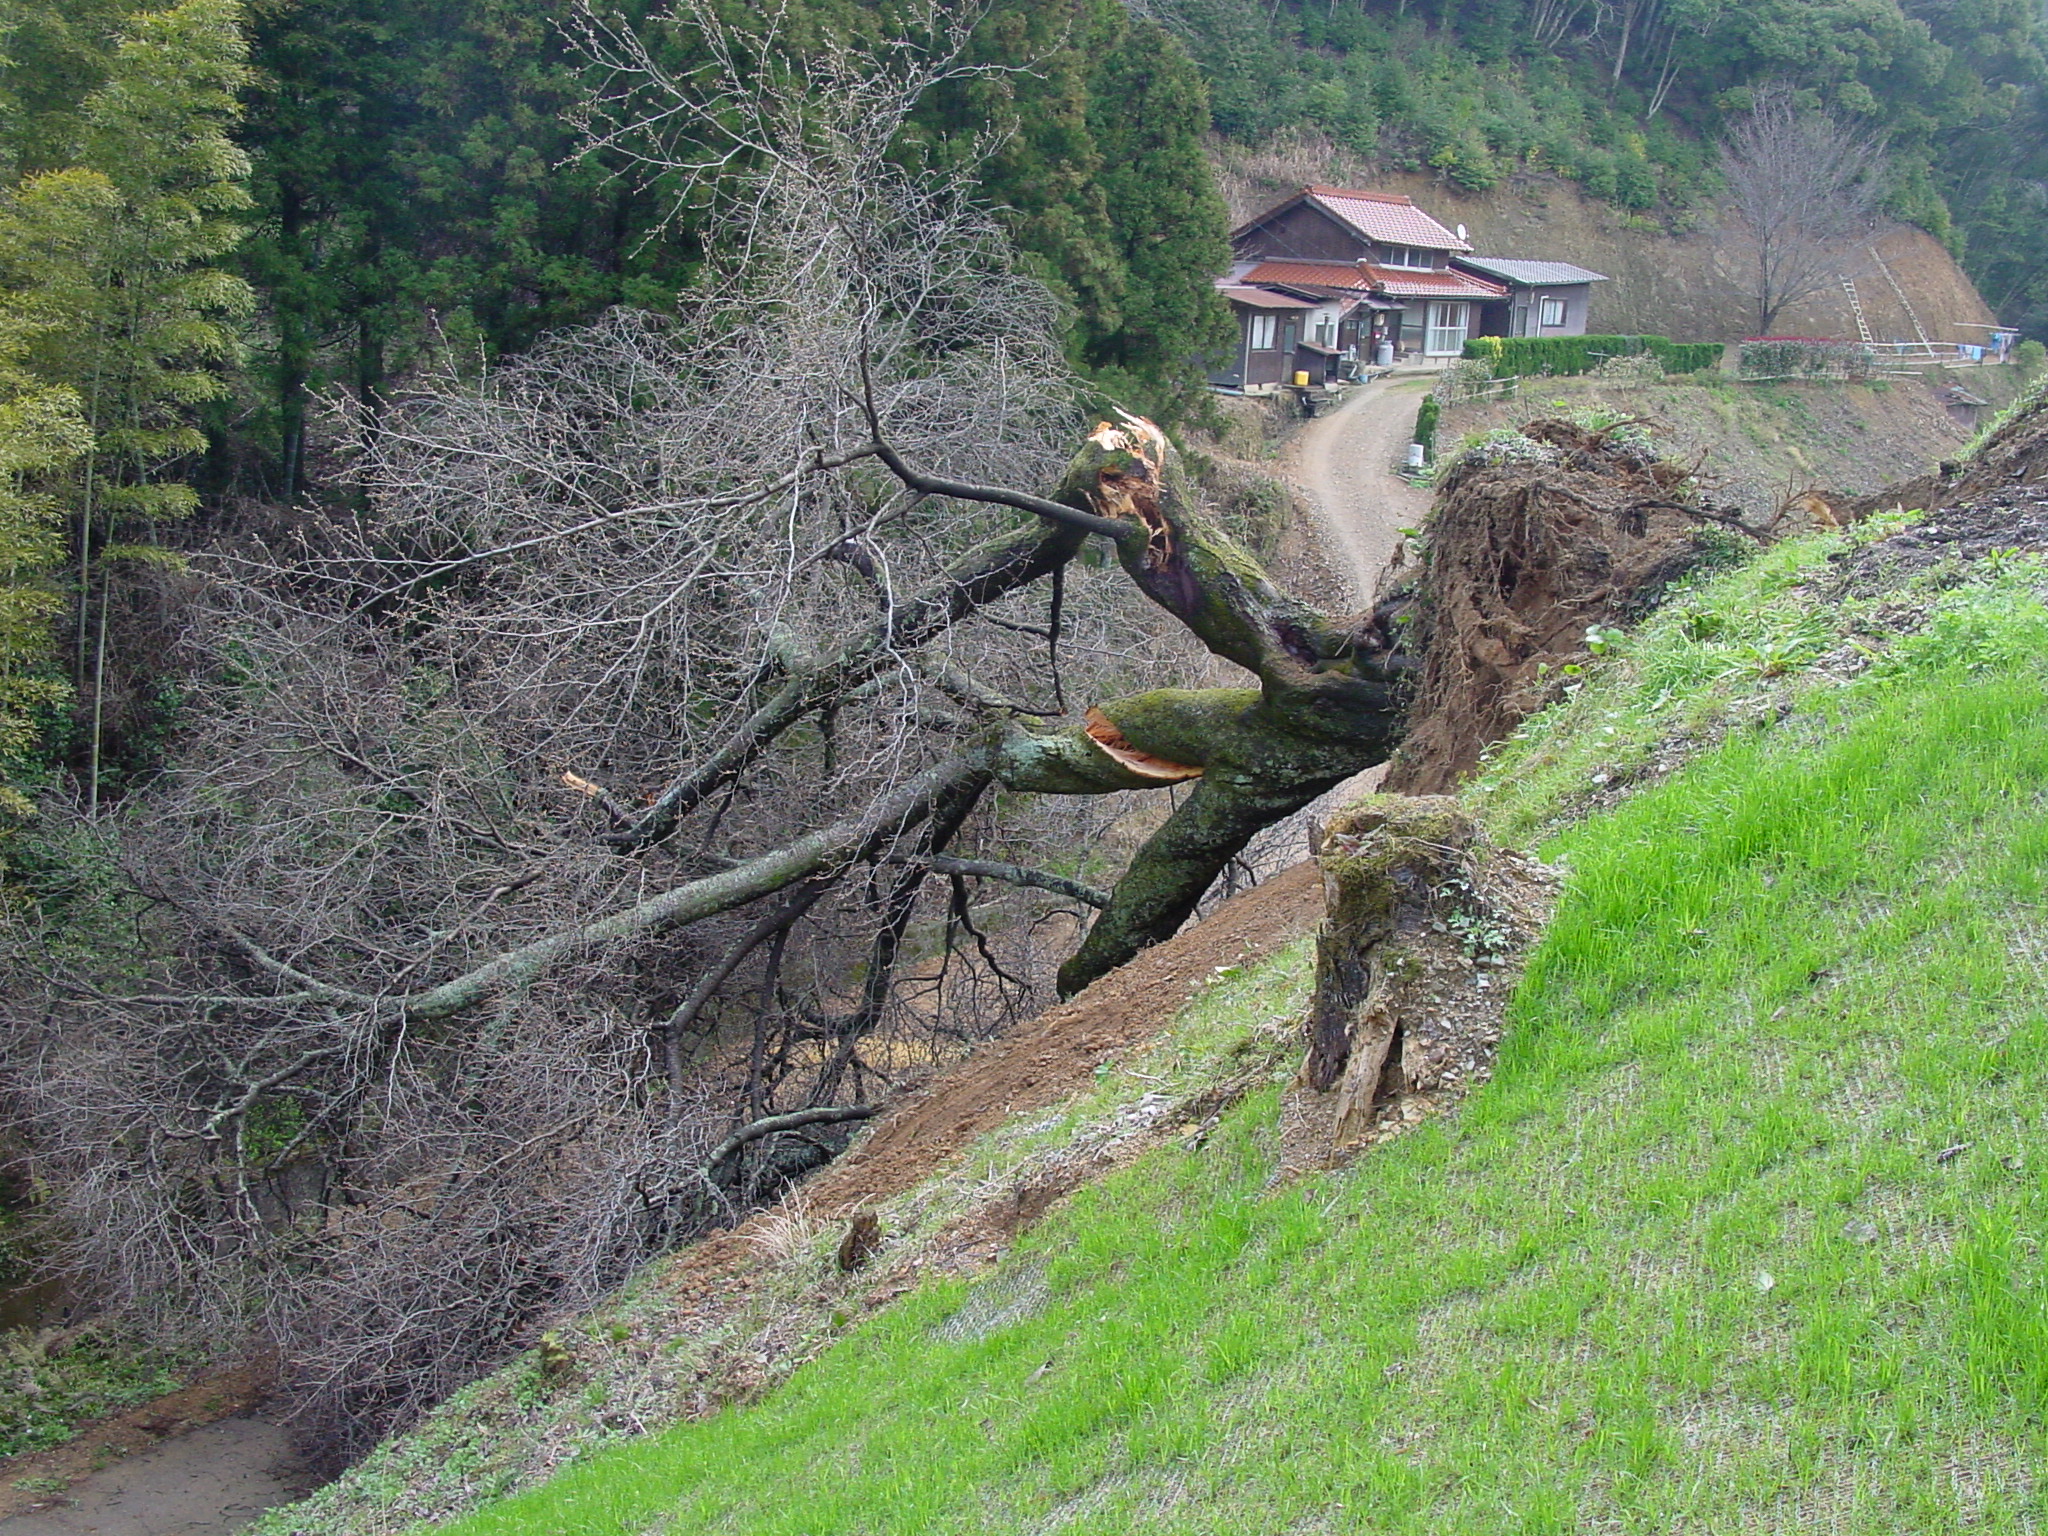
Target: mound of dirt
[(1534, 542), (1998, 501), (2016, 454)]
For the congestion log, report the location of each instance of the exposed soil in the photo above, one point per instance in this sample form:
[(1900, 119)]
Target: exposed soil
[(1758, 444), (1998, 501), (2014, 456), (196, 1460), (216, 1478), (1528, 551), (1056, 1054)]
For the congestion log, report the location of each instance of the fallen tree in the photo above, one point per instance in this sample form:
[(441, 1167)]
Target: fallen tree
[(570, 839)]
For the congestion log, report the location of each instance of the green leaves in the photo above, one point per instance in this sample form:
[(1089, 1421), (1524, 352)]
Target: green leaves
[(118, 323)]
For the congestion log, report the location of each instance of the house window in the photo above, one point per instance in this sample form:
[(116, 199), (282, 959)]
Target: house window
[(1409, 257), (1262, 333), (1448, 324), (1326, 332), (1553, 312)]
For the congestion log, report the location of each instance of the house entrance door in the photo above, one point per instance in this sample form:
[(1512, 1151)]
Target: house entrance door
[(1448, 323)]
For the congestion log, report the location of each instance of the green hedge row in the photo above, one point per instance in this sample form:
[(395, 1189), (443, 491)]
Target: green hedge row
[(1521, 356), (1425, 424)]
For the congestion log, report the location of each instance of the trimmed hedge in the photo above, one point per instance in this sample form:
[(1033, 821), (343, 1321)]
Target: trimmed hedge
[(1805, 357), (1425, 424), (1522, 356)]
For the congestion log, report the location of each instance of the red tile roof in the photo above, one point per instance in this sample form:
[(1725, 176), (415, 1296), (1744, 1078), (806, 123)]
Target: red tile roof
[(1309, 274), (1432, 285), (1385, 217)]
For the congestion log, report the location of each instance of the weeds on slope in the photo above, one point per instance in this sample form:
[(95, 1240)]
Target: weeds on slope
[(1744, 1236)]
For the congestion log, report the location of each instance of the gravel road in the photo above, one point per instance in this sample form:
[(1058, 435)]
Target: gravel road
[(1345, 463)]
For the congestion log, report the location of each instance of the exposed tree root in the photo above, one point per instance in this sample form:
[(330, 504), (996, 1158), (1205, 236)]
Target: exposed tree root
[(1528, 551)]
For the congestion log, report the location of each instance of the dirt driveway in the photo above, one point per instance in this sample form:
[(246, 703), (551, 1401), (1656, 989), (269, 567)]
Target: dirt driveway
[(1345, 462)]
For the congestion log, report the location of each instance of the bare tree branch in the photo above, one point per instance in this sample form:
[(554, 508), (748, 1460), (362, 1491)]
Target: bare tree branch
[(1800, 183), (773, 1125), (1010, 874)]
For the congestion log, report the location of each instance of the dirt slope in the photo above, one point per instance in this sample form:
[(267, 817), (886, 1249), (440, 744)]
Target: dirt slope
[(1762, 441), (1056, 1054)]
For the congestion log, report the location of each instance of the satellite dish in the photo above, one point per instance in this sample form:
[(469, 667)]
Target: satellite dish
[(1461, 231)]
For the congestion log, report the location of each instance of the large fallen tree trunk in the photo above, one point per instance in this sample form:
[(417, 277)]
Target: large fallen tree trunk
[(1328, 701)]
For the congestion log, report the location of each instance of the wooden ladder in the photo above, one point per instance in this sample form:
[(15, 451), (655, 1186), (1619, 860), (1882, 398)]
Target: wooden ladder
[(1904, 303), (1856, 308)]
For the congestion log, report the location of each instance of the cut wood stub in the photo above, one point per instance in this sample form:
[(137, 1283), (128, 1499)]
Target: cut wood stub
[(1419, 948)]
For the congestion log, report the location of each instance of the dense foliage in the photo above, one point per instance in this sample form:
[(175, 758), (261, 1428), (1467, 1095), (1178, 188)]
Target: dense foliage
[(421, 188), (1628, 97), (117, 324), (1520, 356)]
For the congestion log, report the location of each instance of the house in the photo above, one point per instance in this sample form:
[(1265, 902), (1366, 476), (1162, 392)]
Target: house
[(1313, 319), (1332, 279), (1965, 408), (1545, 298)]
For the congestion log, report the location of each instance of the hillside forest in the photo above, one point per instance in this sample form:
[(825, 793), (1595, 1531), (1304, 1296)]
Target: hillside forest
[(563, 635)]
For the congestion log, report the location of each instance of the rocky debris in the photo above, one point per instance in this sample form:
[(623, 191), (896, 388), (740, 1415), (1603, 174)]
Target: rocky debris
[(2013, 456), (2011, 518)]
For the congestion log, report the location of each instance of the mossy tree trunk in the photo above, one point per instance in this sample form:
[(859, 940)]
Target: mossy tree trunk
[(1327, 701)]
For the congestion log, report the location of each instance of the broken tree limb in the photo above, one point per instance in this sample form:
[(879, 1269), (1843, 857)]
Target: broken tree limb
[(827, 849), (983, 575), (1329, 702), (1111, 528), (771, 1125)]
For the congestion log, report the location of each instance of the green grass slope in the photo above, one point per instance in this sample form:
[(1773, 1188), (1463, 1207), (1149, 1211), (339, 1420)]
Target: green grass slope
[(1743, 1236)]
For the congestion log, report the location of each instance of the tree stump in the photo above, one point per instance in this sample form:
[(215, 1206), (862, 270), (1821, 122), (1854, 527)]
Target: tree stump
[(1417, 955)]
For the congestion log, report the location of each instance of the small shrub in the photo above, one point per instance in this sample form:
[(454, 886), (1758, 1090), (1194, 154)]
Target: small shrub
[(1804, 357), (1426, 416), (2031, 356)]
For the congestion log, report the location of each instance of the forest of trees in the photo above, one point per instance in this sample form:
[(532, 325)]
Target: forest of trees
[(549, 592)]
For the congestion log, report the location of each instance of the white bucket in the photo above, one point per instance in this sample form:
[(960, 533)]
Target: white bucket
[(1415, 455)]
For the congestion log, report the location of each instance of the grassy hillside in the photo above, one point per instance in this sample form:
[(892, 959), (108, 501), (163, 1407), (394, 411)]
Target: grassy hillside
[(1744, 1234)]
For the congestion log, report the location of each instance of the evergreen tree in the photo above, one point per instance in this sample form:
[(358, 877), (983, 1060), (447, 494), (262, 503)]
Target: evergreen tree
[(1148, 111), (1104, 185), (418, 185)]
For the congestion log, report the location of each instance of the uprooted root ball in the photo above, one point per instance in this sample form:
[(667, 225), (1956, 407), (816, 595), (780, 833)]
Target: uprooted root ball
[(1527, 551)]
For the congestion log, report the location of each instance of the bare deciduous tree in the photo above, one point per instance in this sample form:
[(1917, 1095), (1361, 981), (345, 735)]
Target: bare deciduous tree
[(563, 849), (1799, 183)]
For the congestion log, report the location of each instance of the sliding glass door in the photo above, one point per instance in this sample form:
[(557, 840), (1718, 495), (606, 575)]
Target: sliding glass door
[(1448, 323)]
